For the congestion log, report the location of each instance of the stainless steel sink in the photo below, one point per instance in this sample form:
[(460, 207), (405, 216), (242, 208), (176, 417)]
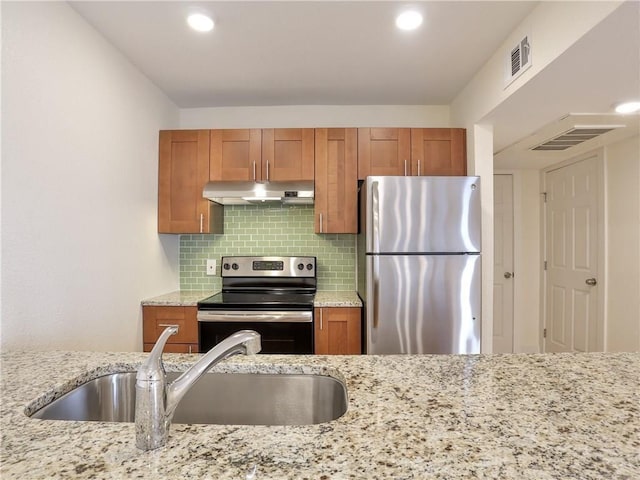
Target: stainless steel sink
[(217, 398)]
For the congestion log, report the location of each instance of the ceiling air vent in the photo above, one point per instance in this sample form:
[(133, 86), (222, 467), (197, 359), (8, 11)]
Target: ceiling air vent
[(575, 136), (518, 60)]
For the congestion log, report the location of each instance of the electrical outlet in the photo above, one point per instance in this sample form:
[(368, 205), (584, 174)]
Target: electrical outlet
[(211, 267)]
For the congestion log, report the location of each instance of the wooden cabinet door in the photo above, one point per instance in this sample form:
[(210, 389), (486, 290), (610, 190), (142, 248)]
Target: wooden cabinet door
[(336, 182), (338, 331), (287, 154), (156, 318), (383, 151), (236, 155), (183, 171), (438, 151)]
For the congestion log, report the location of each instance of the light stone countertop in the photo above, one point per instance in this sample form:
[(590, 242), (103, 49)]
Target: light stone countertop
[(346, 298), (185, 298), (179, 298), (554, 416)]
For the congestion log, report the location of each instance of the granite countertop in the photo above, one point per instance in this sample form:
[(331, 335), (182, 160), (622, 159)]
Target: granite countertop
[(564, 416), (346, 298), (179, 298), (186, 298)]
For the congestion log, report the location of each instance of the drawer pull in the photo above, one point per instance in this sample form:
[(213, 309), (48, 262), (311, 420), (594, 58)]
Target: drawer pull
[(165, 325)]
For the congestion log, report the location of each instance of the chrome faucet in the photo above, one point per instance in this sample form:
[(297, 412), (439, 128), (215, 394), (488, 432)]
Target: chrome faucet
[(156, 401)]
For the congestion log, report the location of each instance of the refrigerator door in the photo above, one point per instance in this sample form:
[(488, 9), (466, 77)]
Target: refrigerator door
[(421, 214), (423, 304)]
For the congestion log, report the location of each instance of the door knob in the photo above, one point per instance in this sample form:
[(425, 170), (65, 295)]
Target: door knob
[(591, 281), (508, 274)]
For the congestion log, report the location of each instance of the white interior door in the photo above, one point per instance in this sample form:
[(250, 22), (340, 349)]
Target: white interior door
[(503, 264), (572, 196)]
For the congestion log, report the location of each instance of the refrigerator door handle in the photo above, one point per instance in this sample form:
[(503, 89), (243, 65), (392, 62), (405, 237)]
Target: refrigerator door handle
[(376, 289), (375, 213), (373, 292)]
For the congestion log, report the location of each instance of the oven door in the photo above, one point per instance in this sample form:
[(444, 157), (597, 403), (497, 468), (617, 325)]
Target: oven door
[(280, 331)]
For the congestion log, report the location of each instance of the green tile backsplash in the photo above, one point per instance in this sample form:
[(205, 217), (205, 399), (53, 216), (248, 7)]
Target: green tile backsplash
[(268, 230)]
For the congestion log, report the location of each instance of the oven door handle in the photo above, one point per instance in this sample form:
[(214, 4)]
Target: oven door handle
[(256, 317)]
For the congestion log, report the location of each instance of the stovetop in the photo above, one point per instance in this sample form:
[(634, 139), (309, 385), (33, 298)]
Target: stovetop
[(252, 300), (265, 283)]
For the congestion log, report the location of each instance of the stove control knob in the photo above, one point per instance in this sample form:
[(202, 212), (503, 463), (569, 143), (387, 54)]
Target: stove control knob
[(235, 266), (300, 266), (309, 266), (226, 266)]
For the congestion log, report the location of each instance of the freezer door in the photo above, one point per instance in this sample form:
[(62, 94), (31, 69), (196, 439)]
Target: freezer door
[(421, 214), (423, 304)]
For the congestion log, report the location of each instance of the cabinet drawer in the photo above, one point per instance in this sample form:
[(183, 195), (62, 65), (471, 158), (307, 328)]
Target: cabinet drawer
[(156, 319)]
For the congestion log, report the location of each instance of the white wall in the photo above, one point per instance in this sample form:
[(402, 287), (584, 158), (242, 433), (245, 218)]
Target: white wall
[(475, 105), (79, 186), (553, 28), (480, 159), (622, 251), (622, 170), (307, 116)]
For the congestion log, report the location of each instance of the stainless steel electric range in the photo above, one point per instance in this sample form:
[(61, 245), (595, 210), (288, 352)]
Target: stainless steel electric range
[(271, 295)]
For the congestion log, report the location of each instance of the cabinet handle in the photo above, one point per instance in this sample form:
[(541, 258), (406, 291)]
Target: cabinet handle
[(320, 319), (201, 221), (254, 171), (267, 170), (321, 223), (165, 325), (405, 168), (419, 172), (190, 349)]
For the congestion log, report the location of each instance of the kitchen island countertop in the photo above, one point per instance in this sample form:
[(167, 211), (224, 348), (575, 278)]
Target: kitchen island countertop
[(409, 417)]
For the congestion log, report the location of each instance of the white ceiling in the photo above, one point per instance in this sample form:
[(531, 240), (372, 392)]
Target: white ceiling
[(579, 88), (306, 53), (350, 53)]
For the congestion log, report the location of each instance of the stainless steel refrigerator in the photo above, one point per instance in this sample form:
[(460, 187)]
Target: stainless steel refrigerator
[(419, 268)]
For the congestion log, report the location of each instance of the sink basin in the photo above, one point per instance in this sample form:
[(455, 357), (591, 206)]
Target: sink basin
[(217, 398)]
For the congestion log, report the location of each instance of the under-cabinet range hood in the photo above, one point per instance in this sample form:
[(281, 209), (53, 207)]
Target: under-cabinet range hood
[(245, 193)]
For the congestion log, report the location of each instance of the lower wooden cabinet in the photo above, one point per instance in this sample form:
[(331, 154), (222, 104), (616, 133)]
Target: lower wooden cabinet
[(156, 318), (338, 331)]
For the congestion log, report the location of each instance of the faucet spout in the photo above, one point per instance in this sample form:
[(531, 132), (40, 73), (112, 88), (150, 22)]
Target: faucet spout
[(156, 402), (245, 342)]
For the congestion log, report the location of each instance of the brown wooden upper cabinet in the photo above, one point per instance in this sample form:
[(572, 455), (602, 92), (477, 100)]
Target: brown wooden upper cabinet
[(438, 151), (271, 154), (383, 151), (236, 155), (336, 184), (415, 151), (287, 154), (183, 171)]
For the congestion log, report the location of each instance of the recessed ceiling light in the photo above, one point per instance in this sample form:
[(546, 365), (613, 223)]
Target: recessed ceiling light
[(409, 20), (200, 22), (628, 107)]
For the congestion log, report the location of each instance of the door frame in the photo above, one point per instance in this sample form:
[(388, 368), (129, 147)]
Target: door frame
[(601, 264), (513, 255), (526, 280)]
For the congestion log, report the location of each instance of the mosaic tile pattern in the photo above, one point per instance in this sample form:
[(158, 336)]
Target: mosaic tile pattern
[(268, 230)]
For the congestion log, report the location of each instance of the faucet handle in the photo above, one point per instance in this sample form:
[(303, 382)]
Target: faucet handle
[(153, 368)]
